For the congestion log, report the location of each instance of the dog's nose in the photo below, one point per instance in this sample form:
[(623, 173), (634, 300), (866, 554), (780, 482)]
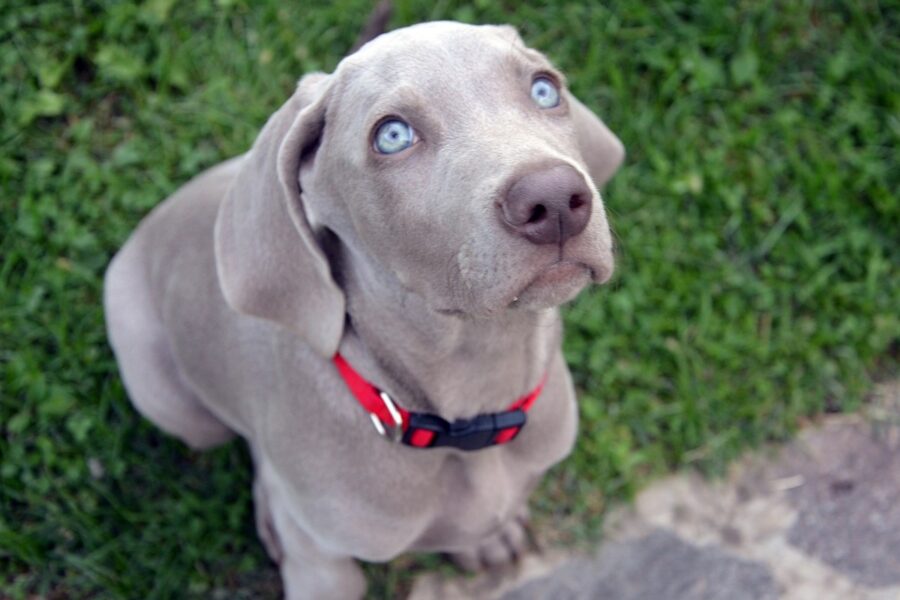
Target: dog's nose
[(548, 206)]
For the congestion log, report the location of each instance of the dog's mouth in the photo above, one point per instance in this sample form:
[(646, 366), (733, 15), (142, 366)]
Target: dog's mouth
[(553, 285), (533, 278)]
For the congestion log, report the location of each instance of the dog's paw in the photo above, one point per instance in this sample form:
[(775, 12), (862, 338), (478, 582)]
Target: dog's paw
[(502, 547)]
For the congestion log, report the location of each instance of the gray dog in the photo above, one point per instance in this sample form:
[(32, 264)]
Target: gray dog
[(369, 298)]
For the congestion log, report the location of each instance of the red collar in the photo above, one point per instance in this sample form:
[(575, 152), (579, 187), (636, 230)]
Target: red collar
[(423, 430)]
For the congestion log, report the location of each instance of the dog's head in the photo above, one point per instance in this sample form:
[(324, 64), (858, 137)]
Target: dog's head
[(446, 156)]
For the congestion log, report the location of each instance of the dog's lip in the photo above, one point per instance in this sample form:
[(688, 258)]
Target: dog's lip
[(558, 271), (555, 272)]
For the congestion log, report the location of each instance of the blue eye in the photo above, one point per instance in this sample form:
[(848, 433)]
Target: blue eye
[(544, 93), (394, 136)]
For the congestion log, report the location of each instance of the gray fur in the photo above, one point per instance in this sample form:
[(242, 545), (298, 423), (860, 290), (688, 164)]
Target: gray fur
[(226, 304)]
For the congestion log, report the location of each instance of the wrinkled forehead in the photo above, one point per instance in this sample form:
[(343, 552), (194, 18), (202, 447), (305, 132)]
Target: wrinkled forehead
[(439, 59)]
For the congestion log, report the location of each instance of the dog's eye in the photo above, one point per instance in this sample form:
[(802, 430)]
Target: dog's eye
[(544, 93), (394, 136)]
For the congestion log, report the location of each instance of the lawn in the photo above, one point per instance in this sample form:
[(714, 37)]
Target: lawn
[(757, 219)]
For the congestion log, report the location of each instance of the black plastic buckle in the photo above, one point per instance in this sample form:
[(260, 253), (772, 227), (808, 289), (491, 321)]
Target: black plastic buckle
[(465, 434)]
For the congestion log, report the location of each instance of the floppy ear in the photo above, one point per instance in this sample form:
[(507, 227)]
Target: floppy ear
[(601, 150), (267, 258)]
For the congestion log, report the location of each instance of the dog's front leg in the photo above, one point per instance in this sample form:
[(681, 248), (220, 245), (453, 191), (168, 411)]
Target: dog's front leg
[(309, 574), (500, 547), (307, 571)]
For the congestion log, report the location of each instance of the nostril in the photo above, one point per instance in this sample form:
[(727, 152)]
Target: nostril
[(537, 214), (576, 202)]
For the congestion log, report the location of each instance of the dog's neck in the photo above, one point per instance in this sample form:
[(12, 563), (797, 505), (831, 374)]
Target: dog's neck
[(451, 365)]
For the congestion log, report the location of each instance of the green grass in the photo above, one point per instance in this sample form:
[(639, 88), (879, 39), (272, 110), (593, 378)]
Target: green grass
[(757, 219)]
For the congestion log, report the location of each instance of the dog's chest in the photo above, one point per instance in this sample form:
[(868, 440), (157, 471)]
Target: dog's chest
[(478, 495), (438, 500), (448, 506), (359, 493)]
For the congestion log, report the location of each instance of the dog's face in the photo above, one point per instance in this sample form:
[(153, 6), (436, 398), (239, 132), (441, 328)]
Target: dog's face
[(450, 155), (448, 159)]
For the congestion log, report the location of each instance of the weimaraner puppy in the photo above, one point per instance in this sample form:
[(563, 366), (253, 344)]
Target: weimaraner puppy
[(368, 297)]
